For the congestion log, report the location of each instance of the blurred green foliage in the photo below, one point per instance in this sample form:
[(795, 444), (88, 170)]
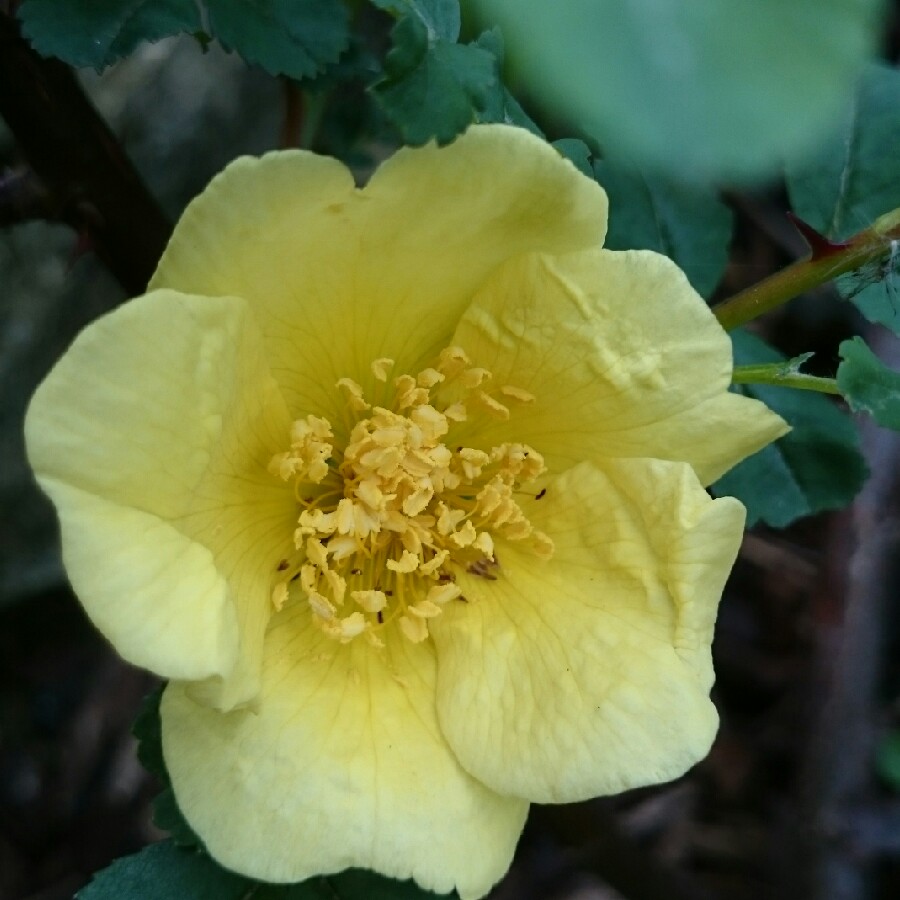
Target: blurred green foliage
[(707, 90)]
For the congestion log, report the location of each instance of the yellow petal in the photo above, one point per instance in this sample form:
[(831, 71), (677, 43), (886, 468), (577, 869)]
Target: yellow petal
[(329, 269), (589, 673), (623, 357), (152, 436), (340, 764)]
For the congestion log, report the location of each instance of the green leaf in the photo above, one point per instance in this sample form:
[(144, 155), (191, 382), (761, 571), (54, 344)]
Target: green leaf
[(433, 88), (166, 814), (147, 730), (868, 384), (650, 212), (297, 38), (498, 104), (817, 466), (441, 18), (577, 152), (706, 89), (851, 178), (166, 872), (357, 884), (98, 32), (887, 759)]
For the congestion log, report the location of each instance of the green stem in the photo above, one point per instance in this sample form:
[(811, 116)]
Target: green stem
[(871, 245), (315, 104), (775, 374)]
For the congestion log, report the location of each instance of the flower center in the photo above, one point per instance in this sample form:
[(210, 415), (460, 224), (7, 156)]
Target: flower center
[(390, 518)]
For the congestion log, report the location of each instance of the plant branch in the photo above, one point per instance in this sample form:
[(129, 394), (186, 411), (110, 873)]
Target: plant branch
[(76, 157), (826, 262), (775, 374)]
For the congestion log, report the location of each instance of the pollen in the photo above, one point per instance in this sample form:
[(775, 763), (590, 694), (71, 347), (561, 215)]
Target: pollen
[(395, 511)]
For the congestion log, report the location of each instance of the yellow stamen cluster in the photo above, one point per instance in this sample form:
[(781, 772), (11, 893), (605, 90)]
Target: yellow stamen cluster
[(399, 507)]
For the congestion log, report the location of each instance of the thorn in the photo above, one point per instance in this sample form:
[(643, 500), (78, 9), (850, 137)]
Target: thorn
[(820, 245)]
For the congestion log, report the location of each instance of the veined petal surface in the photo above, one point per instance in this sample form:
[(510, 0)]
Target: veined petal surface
[(624, 357), (339, 276), (340, 763), (152, 436), (589, 673), (292, 754)]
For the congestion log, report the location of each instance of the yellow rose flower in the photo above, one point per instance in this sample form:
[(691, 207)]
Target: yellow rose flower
[(402, 489)]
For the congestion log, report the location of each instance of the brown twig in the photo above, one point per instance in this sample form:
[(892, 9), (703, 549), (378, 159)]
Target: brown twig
[(292, 124), (78, 159), (834, 858)]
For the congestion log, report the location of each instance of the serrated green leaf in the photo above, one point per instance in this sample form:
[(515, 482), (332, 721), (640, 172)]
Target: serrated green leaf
[(852, 177), (441, 18), (410, 45), (166, 872), (817, 466), (868, 384), (297, 38), (433, 89), (99, 32), (702, 89), (499, 105), (688, 224)]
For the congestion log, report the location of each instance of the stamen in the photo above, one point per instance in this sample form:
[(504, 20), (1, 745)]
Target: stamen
[(404, 503), (456, 412), (494, 407), (279, 595), (514, 393), (381, 367), (370, 601), (355, 399), (414, 628), (407, 563), (472, 378), (428, 378), (452, 360)]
